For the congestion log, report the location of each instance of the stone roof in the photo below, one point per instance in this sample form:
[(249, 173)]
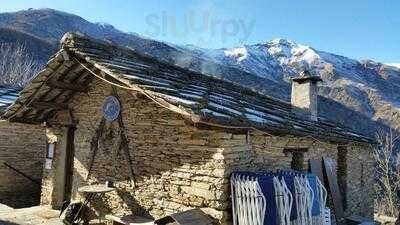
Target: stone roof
[(200, 98), (8, 95)]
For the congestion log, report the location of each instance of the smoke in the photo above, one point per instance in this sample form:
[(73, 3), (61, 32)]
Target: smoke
[(188, 61)]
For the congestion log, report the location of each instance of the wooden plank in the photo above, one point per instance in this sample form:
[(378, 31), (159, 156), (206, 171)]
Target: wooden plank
[(69, 164), (330, 171), (130, 220), (315, 166), (24, 120), (48, 105), (189, 217)]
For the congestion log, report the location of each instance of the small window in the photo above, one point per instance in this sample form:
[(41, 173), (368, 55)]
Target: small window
[(297, 162), (297, 154)]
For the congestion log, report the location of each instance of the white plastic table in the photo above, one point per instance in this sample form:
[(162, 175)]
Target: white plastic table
[(92, 190)]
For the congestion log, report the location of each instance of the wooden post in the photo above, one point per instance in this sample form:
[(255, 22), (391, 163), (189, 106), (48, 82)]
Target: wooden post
[(398, 217), (330, 172)]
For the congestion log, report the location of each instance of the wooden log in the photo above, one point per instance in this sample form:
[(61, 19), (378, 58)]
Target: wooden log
[(315, 166), (330, 172)]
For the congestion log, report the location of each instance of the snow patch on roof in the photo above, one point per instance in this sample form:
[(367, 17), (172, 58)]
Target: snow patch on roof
[(233, 111), (255, 118), (214, 113), (179, 100)]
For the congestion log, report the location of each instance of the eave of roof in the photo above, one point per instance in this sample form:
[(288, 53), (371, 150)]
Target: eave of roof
[(199, 97)]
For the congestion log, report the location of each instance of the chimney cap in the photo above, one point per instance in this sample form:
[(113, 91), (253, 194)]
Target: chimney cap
[(306, 76)]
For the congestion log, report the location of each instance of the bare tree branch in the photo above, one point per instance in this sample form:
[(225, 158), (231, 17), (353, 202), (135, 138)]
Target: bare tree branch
[(17, 66), (387, 171)]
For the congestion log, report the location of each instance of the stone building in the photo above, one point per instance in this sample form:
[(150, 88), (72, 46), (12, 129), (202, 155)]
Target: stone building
[(21, 157), (178, 135)]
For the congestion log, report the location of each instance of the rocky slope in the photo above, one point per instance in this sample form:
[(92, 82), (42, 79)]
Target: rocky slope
[(353, 93), (368, 87)]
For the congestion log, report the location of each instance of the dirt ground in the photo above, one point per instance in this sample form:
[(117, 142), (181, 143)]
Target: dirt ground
[(37, 215)]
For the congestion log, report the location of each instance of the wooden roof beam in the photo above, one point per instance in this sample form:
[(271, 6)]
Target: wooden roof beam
[(67, 86), (24, 120), (49, 105)]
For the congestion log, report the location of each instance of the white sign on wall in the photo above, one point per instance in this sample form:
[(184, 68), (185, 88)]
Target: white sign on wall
[(48, 163), (50, 150)]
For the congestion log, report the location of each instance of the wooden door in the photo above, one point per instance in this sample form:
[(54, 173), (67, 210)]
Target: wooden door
[(69, 163)]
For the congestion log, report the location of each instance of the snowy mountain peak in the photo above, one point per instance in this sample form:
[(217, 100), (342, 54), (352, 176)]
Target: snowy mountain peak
[(367, 88), (238, 53), (105, 25), (279, 51), (281, 41), (288, 51)]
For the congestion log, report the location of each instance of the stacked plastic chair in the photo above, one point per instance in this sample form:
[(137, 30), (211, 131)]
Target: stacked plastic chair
[(248, 203), (321, 196), (277, 198)]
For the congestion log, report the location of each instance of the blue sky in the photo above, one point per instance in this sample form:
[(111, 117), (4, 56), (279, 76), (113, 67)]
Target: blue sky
[(359, 29)]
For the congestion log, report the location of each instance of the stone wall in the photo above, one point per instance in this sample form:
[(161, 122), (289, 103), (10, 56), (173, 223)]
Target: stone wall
[(360, 180), (358, 172), (23, 147), (177, 166)]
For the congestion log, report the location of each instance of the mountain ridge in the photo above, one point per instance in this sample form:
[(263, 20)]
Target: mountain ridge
[(353, 92), (374, 85)]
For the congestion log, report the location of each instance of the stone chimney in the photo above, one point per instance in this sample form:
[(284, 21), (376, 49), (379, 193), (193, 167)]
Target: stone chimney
[(305, 95)]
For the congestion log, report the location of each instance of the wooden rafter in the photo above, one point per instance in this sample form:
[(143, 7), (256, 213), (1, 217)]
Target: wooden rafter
[(48, 105), (67, 86)]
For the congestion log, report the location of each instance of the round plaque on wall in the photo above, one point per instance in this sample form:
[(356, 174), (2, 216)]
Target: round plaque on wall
[(111, 108)]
